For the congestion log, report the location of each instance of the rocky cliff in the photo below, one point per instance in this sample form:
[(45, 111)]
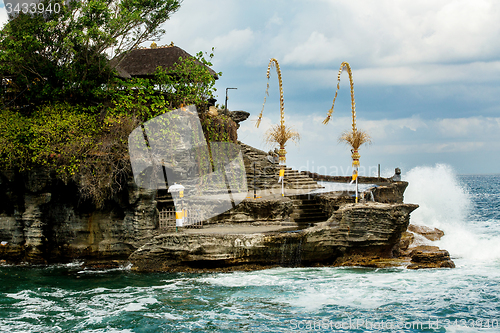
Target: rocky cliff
[(44, 220)]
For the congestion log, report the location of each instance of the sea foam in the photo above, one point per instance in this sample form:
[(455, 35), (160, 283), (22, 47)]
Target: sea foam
[(444, 203)]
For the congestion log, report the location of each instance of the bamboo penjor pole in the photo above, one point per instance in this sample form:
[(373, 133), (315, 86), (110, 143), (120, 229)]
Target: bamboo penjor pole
[(355, 138), (280, 133)]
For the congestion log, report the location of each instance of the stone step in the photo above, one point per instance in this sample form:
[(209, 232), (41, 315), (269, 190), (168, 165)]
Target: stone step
[(307, 210), (303, 186), (297, 175), (165, 201), (251, 176), (299, 181), (276, 175), (310, 215), (307, 206)]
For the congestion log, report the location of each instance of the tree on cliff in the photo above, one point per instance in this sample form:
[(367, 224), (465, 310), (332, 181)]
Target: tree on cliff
[(62, 104), (64, 55)]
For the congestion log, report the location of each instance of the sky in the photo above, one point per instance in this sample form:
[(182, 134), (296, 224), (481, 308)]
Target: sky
[(426, 77)]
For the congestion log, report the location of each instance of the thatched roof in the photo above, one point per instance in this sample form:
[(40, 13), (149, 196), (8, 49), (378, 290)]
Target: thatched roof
[(143, 62)]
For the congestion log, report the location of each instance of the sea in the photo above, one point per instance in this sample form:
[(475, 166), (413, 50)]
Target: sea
[(69, 298)]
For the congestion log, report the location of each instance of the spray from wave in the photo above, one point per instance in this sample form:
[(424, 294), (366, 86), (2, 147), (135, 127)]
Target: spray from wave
[(445, 204)]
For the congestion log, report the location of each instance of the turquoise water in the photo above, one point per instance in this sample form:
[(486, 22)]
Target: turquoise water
[(68, 298)]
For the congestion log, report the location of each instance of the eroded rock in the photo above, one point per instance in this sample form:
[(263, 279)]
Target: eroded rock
[(432, 234), (430, 257)]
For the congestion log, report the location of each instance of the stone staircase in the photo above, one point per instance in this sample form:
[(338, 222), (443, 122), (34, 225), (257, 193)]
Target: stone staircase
[(307, 211), (296, 180), (263, 174)]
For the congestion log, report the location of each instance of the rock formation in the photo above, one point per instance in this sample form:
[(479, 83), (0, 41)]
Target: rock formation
[(424, 256), (366, 229), (430, 257), (43, 220), (432, 234)]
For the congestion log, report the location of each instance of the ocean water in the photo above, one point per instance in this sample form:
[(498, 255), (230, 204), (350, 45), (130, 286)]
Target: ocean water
[(67, 298)]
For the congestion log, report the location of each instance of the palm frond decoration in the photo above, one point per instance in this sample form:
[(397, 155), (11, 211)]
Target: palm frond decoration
[(355, 138), (280, 135)]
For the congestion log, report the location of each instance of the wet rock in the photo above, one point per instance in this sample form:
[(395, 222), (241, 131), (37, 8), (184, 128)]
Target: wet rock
[(371, 260), (402, 249), (430, 257), (432, 234), (177, 251), (372, 222), (406, 240)]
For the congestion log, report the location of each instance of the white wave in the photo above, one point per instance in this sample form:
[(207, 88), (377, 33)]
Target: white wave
[(445, 204)]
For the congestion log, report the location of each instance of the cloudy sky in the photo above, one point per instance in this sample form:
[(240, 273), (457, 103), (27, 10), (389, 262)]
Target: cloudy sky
[(426, 76)]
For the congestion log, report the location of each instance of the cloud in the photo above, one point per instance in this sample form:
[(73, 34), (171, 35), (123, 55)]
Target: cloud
[(318, 49), (424, 74), (228, 46), (394, 33), (4, 18), (432, 140), (480, 127)]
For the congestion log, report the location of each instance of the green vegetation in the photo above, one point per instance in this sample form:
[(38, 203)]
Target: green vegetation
[(63, 106), (64, 55)]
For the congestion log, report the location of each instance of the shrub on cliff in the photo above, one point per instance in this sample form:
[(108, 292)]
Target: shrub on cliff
[(72, 142)]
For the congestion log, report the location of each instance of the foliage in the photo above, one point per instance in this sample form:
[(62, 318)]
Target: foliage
[(60, 137), (80, 114), (54, 136), (219, 129), (65, 55), (188, 82), (71, 141), (90, 144), (14, 139), (107, 166)]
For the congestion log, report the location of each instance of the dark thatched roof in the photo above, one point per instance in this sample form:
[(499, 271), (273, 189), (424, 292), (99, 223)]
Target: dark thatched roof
[(143, 62)]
